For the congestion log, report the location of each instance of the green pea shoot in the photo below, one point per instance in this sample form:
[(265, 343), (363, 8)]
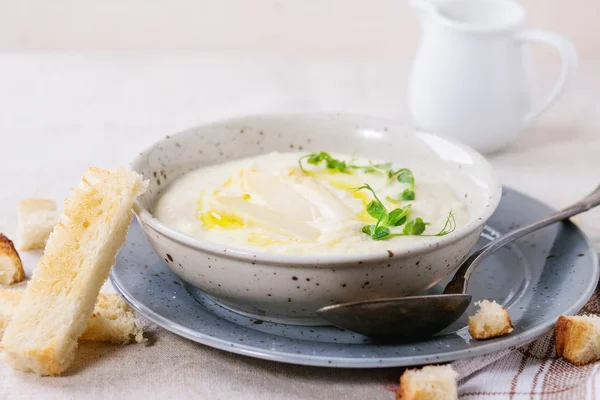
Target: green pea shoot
[(398, 217)]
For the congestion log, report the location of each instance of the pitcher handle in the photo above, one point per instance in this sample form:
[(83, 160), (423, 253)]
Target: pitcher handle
[(568, 56)]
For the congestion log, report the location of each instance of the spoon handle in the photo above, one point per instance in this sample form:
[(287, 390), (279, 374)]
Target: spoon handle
[(458, 284)]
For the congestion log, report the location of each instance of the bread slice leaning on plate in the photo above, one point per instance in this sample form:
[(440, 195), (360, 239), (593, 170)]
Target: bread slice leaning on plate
[(60, 298), (112, 321)]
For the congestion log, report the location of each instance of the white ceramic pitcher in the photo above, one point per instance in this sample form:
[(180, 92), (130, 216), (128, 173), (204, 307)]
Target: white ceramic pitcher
[(471, 75)]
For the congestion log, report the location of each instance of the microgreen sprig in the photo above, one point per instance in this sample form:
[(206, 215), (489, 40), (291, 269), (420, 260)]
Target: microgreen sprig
[(403, 175), (383, 168), (330, 162), (398, 217), (449, 226), (385, 219), (377, 210)]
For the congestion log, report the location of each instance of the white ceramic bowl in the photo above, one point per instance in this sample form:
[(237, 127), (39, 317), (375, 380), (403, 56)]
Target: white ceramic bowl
[(290, 288)]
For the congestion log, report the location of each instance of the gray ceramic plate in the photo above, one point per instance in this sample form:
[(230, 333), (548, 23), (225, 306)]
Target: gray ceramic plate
[(538, 278)]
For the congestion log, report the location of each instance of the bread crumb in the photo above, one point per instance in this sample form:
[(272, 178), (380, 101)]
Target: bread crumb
[(578, 338), (490, 321), (113, 320), (36, 219), (11, 268), (433, 382)]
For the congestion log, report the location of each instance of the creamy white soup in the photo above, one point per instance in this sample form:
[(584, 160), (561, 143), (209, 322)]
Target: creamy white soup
[(312, 204)]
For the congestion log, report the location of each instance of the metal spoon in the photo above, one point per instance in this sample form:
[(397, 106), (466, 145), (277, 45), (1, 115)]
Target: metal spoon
[(422, 316)]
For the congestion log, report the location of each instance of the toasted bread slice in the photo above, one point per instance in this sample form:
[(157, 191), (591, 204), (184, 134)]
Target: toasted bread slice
[(578, 338), (434, 382), (491, 320), (37, 218), (60, 298), (9, 301), (112, 320), (11, 268)]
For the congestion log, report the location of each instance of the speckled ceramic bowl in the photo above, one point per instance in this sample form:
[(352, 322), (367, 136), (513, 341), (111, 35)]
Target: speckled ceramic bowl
[(290, 288)]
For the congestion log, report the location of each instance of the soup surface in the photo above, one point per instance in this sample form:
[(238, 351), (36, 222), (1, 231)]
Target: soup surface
[(320, 203)]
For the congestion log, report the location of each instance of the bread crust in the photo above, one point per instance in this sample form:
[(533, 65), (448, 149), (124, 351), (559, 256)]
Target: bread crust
[(572, 335), (14, 272), (60, 298)]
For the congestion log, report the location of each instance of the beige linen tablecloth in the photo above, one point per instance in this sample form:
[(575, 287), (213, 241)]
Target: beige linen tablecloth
[(62, 113)]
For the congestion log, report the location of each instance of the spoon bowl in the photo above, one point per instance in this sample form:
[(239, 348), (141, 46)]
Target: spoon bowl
[(403, 318)]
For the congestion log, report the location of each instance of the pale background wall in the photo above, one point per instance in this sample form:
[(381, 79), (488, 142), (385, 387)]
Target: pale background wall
[(311, 28)]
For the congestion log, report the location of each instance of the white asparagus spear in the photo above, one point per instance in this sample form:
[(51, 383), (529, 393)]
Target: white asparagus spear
[(280, 196), (266, 217), (323, 199)]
